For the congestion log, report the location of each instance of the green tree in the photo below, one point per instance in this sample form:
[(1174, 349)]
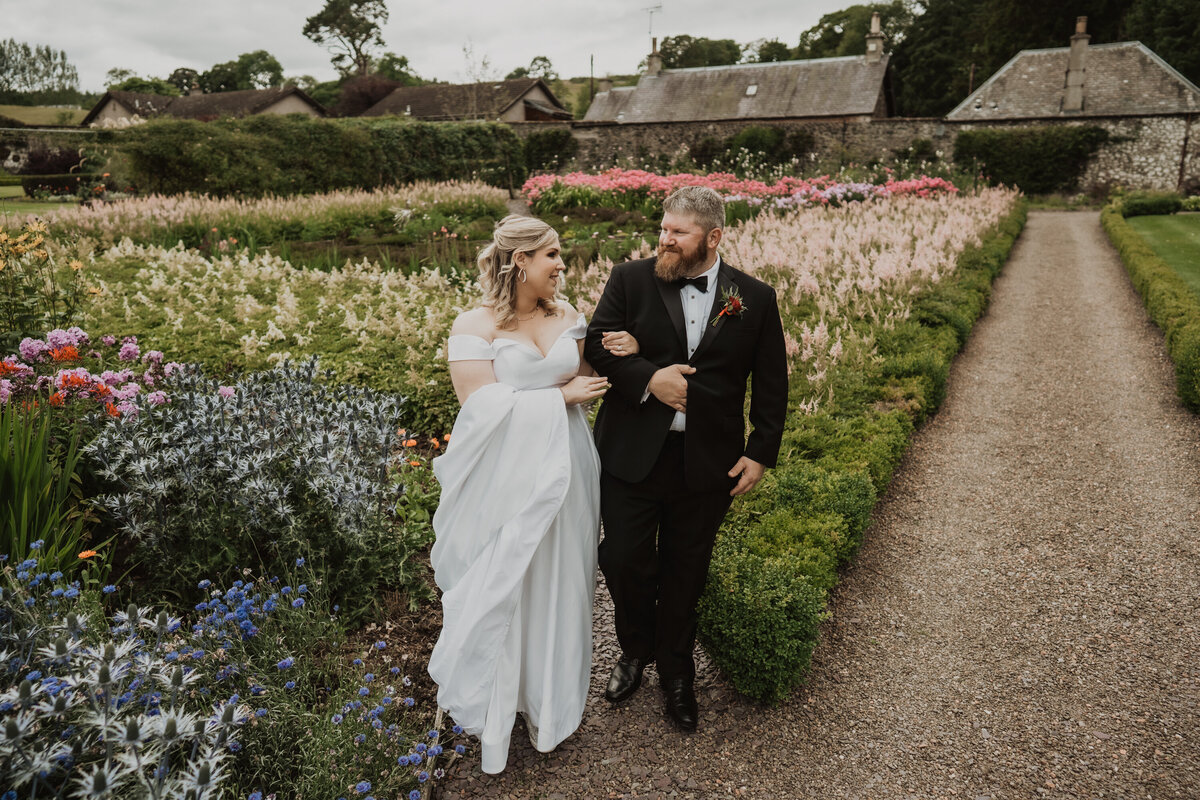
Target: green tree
[(396, 68), (184, 78), (146, 86), (256, 70), (766, 50), (349, 29), (1170, 28), (844, 33), (37, 68), (539, 67), (681, 52)]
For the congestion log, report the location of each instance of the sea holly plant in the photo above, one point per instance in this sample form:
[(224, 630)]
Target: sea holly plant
[(277, 463)]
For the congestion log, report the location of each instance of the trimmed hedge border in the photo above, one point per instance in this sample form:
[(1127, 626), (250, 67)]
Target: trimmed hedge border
[(1171, 303), (779, 553)]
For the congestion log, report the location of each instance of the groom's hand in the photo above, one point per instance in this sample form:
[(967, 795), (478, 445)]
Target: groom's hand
[(670, 387), (751, 473)]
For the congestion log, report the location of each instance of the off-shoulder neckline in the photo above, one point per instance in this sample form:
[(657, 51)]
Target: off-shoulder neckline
[(580, 320)]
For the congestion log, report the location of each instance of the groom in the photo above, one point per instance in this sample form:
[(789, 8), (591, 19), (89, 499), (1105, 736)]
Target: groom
[(672, 433)]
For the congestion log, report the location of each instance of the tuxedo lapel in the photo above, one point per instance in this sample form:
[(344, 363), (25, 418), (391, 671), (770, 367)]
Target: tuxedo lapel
[(671, 299), (724, 284)]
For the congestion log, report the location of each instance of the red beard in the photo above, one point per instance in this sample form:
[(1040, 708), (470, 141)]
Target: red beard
[(673, 264)]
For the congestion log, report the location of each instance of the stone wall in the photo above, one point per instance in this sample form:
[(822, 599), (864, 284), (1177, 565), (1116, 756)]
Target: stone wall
[(1151, 152)]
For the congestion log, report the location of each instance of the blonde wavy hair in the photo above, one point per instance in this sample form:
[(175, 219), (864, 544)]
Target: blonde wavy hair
[(498, 272)]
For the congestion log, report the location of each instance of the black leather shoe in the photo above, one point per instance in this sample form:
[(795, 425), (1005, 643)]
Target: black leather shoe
[(681, 703), (625, 680)]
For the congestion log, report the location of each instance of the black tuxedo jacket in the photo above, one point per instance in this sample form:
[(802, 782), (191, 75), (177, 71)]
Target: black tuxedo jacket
[(629, 433)]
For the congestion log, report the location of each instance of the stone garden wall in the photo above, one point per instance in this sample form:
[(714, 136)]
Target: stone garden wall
[(1152, 152)]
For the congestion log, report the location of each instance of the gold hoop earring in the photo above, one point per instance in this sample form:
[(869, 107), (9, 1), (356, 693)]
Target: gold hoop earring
[(522, 275)]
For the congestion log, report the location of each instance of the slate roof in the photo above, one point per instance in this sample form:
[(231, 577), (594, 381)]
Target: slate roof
[(445, 101), (1121, 79), (816, 87), (202, 106)]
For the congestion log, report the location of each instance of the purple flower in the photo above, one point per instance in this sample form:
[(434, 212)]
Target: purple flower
[(81, 337), (225, 391), (153, 357), (32, 349), (129, 352), (156, 398), (59, 338), (109, 340), (171, 367), (5, 390)]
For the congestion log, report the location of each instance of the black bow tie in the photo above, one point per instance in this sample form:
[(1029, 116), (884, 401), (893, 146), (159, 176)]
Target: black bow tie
[(700, 283)]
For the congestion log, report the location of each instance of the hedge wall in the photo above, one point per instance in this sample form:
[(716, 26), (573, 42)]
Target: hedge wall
[(1171, 303), (1038, 160), (779, 553), (294, 154)]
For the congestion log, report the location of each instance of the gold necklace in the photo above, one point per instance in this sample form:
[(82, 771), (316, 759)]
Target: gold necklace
[(531, 315)]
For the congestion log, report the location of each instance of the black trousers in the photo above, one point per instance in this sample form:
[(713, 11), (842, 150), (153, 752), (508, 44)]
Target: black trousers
[(658, 541)]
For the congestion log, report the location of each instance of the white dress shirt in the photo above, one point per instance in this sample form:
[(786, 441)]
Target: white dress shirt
[(697, 308)]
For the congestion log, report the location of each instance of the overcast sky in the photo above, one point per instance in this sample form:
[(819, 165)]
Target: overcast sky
[(153, 37)]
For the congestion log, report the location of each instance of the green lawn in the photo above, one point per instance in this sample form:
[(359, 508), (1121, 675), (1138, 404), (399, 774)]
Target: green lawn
[(1176, 239), (13, 201), (44, 115)]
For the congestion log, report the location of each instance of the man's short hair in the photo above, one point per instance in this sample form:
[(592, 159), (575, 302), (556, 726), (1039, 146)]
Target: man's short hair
[(700, 202)]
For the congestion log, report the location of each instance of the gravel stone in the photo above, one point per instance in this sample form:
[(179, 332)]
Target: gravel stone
[(1038, 552)]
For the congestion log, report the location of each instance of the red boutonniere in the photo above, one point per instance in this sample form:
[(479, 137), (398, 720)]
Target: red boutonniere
[(732, 305)]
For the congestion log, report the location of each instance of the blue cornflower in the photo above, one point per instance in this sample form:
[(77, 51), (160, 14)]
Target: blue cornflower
[(260, 713), (337, 719), (302, 588), (363, 691), (415, 794), (362, 737), (415, 758), (33, 676), (286, 590), (422, 776), (300, 562), (370, 676), (376, 723), (435, 751), (235, 747), (421, 747), (387, 701), (380, 645), (456, 729), (458, 748), (290, 685), (71, 593), (357, 662), (337, 608), (109, 589), (37, 545), (57, 593), (433, 734), (201, 606), (204, 584), (286, 663), (22, 575), (394, 670), (30, 602), (255, 796), (56, 576), (298, 602), (409, 702)]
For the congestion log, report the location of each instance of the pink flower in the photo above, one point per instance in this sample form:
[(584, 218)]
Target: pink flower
[(171, 367), (129, 352), (60, 338), (127, 408), (156, 398), (108, 340), (153, 357), (32, 349), (5, 390), (225, 391), (127, 391)]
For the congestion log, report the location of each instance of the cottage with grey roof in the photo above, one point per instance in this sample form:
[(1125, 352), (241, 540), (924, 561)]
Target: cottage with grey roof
[(516, 100), (117, 105), (849, 86), (1106, 80)]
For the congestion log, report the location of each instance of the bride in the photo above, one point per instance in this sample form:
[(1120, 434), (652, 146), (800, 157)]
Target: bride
[(519, 519)]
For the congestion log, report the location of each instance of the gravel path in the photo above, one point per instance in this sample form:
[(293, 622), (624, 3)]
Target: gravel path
[(1022, 620)]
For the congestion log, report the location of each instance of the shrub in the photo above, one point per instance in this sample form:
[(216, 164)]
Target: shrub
[(214, 478), (1138, 204), (1038, 160), (549, 149), (1170, 302), (293, 154), (37, 290)]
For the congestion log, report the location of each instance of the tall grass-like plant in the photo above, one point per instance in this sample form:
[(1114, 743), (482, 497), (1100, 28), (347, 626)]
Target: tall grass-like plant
[(227, 476), (36, 500), (35, 292)]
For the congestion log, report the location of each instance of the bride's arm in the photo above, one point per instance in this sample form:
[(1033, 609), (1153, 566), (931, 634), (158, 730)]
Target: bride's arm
[(467, 376)]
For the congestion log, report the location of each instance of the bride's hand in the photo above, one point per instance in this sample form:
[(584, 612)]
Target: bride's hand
[(620, 343), (582, 389)]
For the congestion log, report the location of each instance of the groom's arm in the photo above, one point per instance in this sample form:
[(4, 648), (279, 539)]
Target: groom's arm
[(629, 375), (768, 388)]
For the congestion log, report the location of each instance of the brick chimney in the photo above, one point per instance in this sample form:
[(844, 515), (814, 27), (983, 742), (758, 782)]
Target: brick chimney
[(1077, 67), (875, 41), (654, 60)]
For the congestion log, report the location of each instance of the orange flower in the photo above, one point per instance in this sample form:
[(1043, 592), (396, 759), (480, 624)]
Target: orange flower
[(214, 230), (65, 353), (415, 463), (446, 437), (112, 410), (73, 381), (101, 390), (410, 443), (6, 368), (436, 444), (57, 399), (87, 554), (399, 433)]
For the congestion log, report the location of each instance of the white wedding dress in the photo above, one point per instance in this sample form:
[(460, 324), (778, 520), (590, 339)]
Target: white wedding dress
[(515, 552)]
